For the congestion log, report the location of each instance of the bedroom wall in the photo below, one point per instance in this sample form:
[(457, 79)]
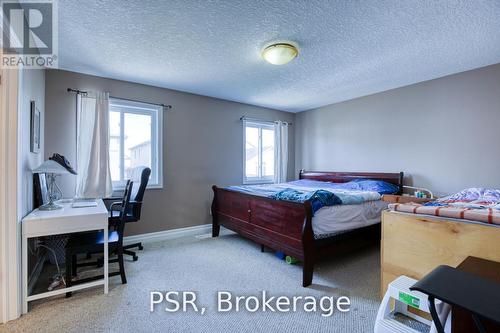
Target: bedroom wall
[(32, 89), (202, 146), (444, 133)]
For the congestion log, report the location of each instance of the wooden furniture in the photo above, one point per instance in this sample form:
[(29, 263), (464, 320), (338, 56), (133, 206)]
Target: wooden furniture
[(415, 244), (91, 242), (404, 198), (461, 320), (287, 226), (140, 177), (478, 296), (57, 222)]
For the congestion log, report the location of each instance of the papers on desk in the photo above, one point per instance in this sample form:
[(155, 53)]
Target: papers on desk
[(84, 203)]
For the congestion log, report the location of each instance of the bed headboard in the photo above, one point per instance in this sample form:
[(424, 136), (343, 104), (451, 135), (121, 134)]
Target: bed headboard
[(343, 177)]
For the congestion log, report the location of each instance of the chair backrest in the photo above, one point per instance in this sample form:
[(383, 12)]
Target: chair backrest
[(140, 177), (123, 210)]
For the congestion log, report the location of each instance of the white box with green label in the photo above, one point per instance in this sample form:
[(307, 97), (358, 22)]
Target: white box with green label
[(398, 300)]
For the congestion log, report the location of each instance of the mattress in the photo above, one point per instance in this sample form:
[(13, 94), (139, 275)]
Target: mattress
[(332, 220)]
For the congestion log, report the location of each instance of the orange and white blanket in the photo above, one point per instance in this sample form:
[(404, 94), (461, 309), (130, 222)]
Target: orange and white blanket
[(486, 215)]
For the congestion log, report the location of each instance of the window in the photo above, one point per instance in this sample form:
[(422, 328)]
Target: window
[(258, 138), (135, 131)]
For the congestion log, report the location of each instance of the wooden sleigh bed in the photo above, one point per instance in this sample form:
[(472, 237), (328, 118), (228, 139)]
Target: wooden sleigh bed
[(287, 226)]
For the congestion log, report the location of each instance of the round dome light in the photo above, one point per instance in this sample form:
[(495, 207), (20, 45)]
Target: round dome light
[(280, 54)]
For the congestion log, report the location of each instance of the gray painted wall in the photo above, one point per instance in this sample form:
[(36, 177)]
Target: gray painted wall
[(32, 89), (203, 144), (444, 133)]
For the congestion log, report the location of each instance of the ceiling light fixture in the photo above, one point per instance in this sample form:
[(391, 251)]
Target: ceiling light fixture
[(280, 53)]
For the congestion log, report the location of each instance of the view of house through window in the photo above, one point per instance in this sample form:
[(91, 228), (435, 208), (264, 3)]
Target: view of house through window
[(259, 152), (135, 140)]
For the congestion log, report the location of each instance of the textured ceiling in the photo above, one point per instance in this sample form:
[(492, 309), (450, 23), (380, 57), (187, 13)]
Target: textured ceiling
[(347, 48)]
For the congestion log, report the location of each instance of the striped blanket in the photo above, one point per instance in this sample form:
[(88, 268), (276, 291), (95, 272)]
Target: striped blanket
[(475, 204), (486, 215)]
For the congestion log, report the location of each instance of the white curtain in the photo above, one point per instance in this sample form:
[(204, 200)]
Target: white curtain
[(281, 151), (94, 175)]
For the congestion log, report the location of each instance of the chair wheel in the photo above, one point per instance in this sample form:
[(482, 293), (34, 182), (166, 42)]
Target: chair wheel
[(141, 248), (135, 258)]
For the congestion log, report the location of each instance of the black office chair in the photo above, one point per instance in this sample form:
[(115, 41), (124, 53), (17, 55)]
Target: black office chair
[(93, 242), (140, 176)]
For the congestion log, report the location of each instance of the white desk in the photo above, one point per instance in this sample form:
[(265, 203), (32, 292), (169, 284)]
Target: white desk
[(63, 221)]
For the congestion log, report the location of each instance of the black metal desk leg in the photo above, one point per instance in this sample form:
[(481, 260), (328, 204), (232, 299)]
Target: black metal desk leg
[(478, 323), (435, 316)]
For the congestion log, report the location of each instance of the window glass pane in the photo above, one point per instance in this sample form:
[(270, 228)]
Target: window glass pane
[(267, 152), (114, 144), (137, 142), (252, 152)]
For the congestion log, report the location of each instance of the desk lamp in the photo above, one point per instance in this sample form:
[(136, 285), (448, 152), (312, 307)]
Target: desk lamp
[(51, 169)]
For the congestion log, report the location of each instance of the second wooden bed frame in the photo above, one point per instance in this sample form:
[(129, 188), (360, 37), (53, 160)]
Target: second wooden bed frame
[(287, 226), (415, 244)]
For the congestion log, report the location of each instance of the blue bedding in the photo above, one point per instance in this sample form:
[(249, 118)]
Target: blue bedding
[(320, 193), (318, 198)]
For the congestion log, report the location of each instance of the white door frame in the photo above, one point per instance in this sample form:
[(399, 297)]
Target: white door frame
[(9, 224)]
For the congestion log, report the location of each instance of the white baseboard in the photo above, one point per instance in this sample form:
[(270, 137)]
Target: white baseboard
[(160, 236)]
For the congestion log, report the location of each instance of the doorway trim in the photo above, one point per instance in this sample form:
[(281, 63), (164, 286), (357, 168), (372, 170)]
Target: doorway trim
[(9, 226)]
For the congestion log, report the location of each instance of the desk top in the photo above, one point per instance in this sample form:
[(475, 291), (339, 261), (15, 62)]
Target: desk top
[(66, 211), (65, 220), (484, 268), (461, 288), (462, 320)]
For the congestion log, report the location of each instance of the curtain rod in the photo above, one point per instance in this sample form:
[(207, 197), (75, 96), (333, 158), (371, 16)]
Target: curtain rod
[(262, 120), (81, 92)]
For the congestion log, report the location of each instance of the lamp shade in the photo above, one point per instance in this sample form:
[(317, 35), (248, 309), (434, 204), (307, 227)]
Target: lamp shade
[(50, 166)]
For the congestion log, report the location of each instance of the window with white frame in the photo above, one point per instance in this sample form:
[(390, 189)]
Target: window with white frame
[(135, 131), (259, 152)]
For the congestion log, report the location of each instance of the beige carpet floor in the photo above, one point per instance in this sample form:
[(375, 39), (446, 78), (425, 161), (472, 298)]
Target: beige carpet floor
[(227, 263)]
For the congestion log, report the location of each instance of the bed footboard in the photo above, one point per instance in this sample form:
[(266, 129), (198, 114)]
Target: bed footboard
[(280, 225)]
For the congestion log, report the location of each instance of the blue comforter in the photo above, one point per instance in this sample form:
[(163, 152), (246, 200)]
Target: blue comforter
[(320, 193)]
